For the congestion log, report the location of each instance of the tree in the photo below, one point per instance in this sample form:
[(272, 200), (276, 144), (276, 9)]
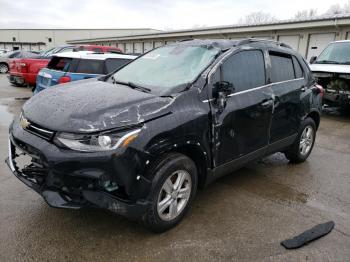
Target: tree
[(257, 18), (306, 14), (335, 10)]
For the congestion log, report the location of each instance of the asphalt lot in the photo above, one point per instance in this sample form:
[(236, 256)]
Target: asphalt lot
[(241, 217)]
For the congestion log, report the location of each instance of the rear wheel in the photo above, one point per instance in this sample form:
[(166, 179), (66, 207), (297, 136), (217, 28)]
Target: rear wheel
[(303, 145), (174, 188), (4, 68)]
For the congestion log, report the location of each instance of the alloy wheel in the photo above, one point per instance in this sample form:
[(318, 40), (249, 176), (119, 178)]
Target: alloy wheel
[(3, 68), (306, 140), (174, 195)]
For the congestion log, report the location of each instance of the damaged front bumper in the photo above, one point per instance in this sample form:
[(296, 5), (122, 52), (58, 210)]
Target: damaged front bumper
[(80, 185)]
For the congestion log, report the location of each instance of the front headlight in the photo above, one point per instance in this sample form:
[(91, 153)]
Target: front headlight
[(96, 143)]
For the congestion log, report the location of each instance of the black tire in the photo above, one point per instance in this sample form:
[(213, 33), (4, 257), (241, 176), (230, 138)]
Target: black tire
[(4, 68), (294, 154), (163, 169)]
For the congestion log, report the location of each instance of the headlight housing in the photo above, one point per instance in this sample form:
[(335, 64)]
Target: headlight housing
[(96, 143)]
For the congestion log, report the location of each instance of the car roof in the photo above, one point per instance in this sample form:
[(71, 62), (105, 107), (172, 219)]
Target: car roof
[(225, 44), (92, 55), (341, 41)]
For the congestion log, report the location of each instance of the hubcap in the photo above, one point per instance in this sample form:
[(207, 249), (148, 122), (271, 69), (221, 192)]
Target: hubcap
[(174, 195), (3, 69), (306, 140)]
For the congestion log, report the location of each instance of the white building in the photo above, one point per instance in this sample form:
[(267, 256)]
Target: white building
[(41, 39), (308, 37)]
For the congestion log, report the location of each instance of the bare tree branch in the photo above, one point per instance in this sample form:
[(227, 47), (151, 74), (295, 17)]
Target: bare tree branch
[(257, 18)]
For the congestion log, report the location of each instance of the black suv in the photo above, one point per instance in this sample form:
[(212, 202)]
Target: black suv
[(141, 140)]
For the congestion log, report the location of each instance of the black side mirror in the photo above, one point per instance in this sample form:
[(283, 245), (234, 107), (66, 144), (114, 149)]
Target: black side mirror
[(224, 88), (313, 59)]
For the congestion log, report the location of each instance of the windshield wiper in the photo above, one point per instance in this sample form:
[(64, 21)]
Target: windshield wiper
[(132, 85), (327, 62), (136, 86)]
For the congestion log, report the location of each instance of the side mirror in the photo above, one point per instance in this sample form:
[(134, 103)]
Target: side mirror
[(224, 88), (313, 59)]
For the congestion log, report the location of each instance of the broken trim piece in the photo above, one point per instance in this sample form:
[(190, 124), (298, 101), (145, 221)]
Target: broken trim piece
[(308, 236)]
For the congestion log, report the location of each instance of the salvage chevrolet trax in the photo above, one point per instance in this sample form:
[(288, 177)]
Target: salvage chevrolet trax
[(141, 140)]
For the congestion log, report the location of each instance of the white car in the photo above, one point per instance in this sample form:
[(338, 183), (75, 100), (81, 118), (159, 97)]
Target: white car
[(332, 71), (3, 51)]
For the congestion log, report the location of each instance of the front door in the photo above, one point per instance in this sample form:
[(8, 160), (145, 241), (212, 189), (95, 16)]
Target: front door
[(241, 126)]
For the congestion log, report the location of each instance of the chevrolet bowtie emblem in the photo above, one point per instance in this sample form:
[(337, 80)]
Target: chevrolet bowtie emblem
[(24, 123)]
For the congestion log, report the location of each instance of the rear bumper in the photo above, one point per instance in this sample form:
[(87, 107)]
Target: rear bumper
[(22, 78)]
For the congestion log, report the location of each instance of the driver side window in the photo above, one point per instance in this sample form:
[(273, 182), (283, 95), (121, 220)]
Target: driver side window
[(245, 70)]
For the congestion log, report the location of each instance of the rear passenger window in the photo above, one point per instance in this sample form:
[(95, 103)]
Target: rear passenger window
[(298, 70), (245, 70), (97, 50), (281, 67), (89, 66), (114, 64), (59, 63)]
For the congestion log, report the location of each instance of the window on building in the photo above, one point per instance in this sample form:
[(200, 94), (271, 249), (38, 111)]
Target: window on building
[(245, 70), (49, 39), (14, 39)]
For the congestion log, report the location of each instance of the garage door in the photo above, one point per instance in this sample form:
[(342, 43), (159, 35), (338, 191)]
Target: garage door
[(121, 46), (129, 48), (348, 36), (147, 46), (291, 40), (170, 42), (317, 42), (158, 44), (138, 48)]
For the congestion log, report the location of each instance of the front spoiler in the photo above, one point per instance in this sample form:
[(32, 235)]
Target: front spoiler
[(99, 199)]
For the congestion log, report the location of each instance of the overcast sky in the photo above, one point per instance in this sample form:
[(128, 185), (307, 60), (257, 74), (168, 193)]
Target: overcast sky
[(158, 14)]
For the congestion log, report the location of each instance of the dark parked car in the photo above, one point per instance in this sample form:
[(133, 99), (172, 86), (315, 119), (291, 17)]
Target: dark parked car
[(140, 141)]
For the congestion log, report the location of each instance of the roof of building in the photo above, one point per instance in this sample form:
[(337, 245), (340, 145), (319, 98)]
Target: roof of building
[(279, 24)]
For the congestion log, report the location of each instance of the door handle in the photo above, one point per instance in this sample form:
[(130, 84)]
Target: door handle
[(267, 104), (303, 89)]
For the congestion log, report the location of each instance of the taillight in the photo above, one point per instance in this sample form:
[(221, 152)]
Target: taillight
[(24, 67), (320, 90), (64, 79)]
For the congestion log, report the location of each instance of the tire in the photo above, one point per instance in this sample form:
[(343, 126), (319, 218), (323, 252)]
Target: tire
[(170, 203), (4, 68), (298, 153)]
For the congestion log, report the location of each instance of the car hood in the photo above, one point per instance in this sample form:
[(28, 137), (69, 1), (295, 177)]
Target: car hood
[(330, 68), (93, 105)]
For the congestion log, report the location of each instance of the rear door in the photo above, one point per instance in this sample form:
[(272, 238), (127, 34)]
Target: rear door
[(287, 81), (241, 128)]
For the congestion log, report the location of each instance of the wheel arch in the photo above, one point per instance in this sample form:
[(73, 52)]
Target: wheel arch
[(314, 115)]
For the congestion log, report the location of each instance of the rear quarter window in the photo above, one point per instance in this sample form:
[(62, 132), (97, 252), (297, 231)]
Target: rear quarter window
[(60, 63), (282, 68), (113, 64), (297, 67), (89, 66)]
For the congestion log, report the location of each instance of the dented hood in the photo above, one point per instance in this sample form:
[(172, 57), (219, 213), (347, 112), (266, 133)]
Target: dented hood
[(93, 105), (330, 68)]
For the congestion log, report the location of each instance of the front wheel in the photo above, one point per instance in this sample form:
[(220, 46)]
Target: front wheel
[(303, 145), (173, 190)]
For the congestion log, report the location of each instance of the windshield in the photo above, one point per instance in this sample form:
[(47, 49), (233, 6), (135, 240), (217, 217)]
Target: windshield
[(336, 53), (167, 67)]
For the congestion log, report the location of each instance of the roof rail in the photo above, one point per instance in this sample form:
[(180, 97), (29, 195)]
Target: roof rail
[(252, 40)]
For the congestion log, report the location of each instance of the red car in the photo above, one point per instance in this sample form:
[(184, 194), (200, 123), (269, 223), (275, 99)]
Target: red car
[(23, 71)]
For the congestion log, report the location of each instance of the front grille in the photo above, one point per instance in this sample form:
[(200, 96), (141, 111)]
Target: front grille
[(36, 129)]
